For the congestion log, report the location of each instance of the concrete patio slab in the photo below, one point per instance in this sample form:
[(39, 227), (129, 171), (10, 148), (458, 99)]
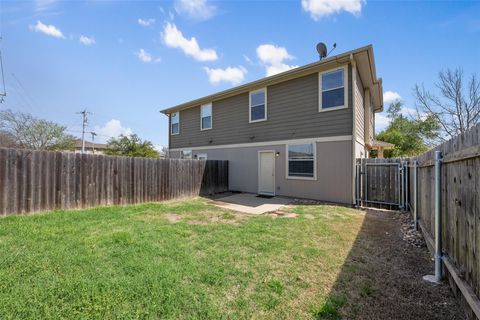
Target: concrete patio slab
[(251, 203)]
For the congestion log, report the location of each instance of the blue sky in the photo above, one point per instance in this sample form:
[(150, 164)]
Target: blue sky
[(124, 61)]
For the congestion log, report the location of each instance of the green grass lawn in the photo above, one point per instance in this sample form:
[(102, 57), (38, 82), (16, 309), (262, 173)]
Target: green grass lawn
[(174, 260)]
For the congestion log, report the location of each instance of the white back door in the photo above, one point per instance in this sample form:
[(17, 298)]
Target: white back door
[(266, 172)]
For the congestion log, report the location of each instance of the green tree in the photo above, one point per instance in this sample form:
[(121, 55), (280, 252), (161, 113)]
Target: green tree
[(28, 131), (410, 135), (131, 146)]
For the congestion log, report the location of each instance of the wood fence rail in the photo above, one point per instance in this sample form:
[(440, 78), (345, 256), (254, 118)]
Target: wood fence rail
[(32, 181)]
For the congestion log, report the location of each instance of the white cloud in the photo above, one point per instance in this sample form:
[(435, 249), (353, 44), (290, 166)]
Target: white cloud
[(174, 38), (323, 8), (233, 75), (195, 9), (49, 30), (273, 57), (145, 56), (42, 5), (391, 96), (381, 121), (146, 22), (87, 41), (112, 129), (278, 68)]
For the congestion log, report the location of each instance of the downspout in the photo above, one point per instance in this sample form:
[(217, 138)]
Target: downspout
[(366, 117), (169, 132), (354, 120)]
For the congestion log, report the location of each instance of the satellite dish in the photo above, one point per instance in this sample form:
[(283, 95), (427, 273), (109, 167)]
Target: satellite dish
[(322, 50)]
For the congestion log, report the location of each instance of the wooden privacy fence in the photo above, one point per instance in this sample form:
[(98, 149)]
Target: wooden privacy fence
[(459, 209), (33, 181)]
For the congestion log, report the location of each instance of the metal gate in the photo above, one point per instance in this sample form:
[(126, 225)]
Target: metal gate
[(382, 183)]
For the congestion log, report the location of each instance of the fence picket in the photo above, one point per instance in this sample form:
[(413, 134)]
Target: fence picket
[(33, 181)]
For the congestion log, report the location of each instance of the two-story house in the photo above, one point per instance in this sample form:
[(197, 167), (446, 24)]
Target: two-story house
[(294, 134)]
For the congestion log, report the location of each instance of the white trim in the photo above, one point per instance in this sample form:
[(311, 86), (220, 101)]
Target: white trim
[(211, 116), (314, 178), (345, 89), (332, 109), (258, 172), (171, 124), (250, 105), (269, 143)]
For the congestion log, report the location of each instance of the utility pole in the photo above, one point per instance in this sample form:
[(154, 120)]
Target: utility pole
[(93, 141), (84, 114), (3, 94)]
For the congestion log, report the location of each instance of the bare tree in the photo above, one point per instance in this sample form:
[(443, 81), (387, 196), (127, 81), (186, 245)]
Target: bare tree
[(456, 106), (30, 132)]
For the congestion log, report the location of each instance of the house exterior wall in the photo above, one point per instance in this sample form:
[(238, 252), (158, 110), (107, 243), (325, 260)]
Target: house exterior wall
[(333, 170), (292, 113)]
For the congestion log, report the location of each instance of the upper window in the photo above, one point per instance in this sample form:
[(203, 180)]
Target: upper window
[(258, 105), (175, 123), (206, 116), (301, 161), (332, 90)]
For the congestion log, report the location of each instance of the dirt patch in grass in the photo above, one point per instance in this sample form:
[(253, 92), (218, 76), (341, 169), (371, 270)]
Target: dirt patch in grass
[(281, 214), (382, 277), (172, 218)]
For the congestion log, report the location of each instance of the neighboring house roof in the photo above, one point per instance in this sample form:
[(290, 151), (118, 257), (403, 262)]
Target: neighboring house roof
[(88, 144), (365, 66), (376, 144)]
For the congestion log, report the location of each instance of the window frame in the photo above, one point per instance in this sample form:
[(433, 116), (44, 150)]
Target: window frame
[(250, 105), (345, 89), (171, 123), (185, 151), (287, 173), (211, 116), (202, 155)]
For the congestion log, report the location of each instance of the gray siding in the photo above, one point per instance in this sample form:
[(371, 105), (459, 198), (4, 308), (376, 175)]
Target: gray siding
[(292, 112), (359, 109), (333, 165)]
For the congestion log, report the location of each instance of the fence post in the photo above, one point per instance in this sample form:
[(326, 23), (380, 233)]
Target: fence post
[(438, 216), (407, 185), (402, 186), (357, 190), (437, 278), (415, 194)]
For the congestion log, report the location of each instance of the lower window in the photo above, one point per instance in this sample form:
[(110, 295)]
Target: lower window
[(301, 160), (186, 154)]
